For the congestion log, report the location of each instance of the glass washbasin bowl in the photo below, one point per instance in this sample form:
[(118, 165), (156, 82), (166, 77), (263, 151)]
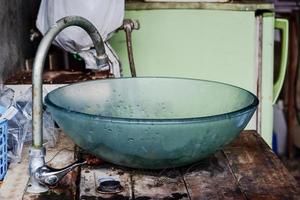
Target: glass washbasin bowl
[(150, 122)]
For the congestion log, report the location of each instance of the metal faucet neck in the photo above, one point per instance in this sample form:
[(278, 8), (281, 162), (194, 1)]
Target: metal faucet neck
[(39, 62), (37, 161)]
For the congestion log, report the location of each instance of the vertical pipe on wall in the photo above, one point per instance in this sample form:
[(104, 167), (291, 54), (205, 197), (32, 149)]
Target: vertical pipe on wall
[(258, 63)]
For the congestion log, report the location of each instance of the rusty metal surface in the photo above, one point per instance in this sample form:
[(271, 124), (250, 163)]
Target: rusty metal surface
[(58, 77), (92, 160)]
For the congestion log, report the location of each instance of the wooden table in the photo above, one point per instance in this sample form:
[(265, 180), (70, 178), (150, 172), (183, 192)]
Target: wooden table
[(246, 169)]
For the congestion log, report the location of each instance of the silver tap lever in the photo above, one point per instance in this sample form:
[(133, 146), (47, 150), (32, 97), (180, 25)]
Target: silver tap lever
[(46, 175)]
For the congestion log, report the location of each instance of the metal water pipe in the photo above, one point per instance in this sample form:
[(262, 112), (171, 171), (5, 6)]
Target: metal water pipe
[(41, 175)]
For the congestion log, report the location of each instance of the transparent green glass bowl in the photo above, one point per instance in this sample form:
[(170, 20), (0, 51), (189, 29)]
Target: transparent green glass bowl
[(151, 122)]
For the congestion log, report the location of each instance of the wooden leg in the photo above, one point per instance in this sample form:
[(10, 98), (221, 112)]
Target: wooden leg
[(291, 115)]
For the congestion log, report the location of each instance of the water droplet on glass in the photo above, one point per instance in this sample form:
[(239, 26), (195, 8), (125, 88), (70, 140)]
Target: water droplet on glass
[(144, 149)]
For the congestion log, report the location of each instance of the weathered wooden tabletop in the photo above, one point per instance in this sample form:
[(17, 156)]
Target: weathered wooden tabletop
[(246, 169)]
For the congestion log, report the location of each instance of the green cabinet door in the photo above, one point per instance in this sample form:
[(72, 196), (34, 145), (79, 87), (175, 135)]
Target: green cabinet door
[(204, 44)]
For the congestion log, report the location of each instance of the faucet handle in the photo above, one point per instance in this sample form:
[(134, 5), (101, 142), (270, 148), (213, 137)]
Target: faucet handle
[(50, 176), (130, 24)]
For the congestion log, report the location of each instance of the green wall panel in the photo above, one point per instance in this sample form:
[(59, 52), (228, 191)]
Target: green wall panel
[(215, 45), (204, 44)]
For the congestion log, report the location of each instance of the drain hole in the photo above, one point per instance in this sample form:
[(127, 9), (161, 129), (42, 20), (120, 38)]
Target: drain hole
[(109, 186)]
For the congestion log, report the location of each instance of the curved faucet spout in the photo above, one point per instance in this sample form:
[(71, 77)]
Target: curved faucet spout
[(39, 61), (37, 151)]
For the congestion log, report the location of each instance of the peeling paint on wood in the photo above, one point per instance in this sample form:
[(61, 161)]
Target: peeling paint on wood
[(212, 179), (258, 171), (163, 184), (238, 5)]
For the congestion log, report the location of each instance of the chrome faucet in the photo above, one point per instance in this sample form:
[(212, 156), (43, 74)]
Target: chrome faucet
[(40, 174)]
